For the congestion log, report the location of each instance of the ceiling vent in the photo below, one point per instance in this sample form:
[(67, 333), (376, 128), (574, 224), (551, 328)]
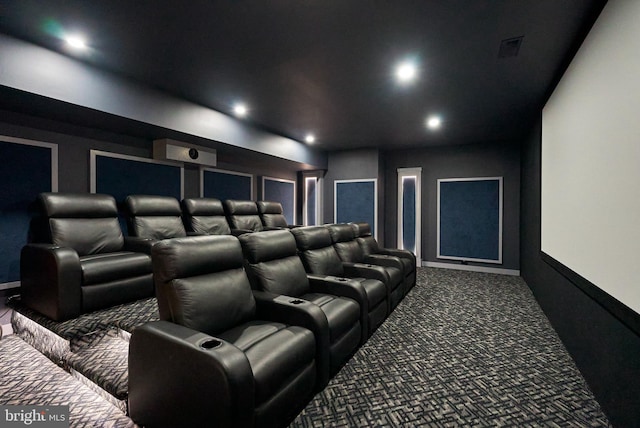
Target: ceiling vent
[(510, 47), (167, 149)]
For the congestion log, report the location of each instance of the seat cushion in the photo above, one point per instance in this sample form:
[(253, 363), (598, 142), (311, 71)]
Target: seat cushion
[(341, 312), (276, 353), (101, 268)]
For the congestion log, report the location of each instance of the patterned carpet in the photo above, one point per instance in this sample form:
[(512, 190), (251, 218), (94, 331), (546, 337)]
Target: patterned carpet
[(462, 349)]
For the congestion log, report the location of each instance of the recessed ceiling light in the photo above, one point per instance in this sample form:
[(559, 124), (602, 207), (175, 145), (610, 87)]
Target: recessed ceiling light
[(310, 138), (76, 42), (240, 110), (434, 122), (406, 72)]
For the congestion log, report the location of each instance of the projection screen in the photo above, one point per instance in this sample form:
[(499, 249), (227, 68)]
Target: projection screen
[(591, 158)]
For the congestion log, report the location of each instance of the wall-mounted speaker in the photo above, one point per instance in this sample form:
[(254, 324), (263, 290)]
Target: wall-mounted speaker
[(173, 150)]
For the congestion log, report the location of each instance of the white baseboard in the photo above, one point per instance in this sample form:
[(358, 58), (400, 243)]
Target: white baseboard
[(484, 269)]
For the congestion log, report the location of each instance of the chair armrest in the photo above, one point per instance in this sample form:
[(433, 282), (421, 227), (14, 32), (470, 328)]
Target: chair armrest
[(406, 254), (51, 280), (294, 311), (238, 232), (338, 286), (366, 270), (182, 377), (384, 260), (139, 245)]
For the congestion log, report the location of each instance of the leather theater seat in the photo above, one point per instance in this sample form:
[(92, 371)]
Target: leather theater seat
[(320, 258), (273, 266), (220, 356), (272, 216), (204, 216), (370, 246), (152, 218), (242, 216), (349, 251), (82, 261)]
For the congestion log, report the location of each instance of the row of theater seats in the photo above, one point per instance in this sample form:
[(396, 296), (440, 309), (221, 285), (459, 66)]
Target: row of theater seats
[(79, 261), (261, 322), (251, 325)]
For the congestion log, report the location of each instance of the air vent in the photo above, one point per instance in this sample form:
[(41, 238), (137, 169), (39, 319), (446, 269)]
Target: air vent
[(510, 47)]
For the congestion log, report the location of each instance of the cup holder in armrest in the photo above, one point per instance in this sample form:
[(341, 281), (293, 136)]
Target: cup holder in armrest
[(296, 302), (210, 344), (342, 279)]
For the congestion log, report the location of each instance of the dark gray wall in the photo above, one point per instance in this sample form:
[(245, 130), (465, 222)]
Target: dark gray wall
[(604, 349), (477, 160), (351, 165), (75, 142)]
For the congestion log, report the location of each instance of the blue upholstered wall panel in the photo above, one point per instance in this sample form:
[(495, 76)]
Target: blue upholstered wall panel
[(26, 172), (283, 192), (222, 185), (311, 201), (470, 219), (123, 177), (409, 213), (355, 201)]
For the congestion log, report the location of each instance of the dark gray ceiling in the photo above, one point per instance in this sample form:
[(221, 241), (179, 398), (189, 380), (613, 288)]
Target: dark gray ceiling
[(326, 66)]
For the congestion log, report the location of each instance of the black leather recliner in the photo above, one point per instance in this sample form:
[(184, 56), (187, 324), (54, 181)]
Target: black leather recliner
[(152, 218), (273, 266), (204, 216), (222, 355), (272, 216), (242, 216), (81, 262), (349, 251), (369, 246), (320, 258)]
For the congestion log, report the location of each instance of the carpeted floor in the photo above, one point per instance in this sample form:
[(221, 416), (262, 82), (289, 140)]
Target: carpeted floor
[(462, 349)]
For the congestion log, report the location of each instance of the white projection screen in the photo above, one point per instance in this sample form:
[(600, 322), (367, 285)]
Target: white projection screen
[(591, 158)]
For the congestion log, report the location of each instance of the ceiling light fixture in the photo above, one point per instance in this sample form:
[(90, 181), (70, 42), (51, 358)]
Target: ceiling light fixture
[(310, 138), (406, 72), (434, 122), (240, 110), (76, 42)]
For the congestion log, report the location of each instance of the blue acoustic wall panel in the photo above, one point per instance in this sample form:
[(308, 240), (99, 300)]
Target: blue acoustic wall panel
[(283, 191), (121, 176), (310, 200), (28, 168), (409, 213), (226, 185), (470, 219), (355, 201)]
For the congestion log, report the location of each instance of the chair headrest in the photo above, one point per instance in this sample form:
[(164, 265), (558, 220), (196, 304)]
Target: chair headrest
[(269, 207), (268, 245), (195, 255), (341, 232), (151, 205), (311, 237), (361, 229), (203, 206), (77, 205), (235, 207)]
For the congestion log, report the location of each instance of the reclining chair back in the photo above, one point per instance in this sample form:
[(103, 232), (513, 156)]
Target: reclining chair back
[(86, 222), (154, 217), (204, 216), (201, 283), (271, 214), (362, 232), (317, 252), (242, 215), (274, 263), (344, 241)]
